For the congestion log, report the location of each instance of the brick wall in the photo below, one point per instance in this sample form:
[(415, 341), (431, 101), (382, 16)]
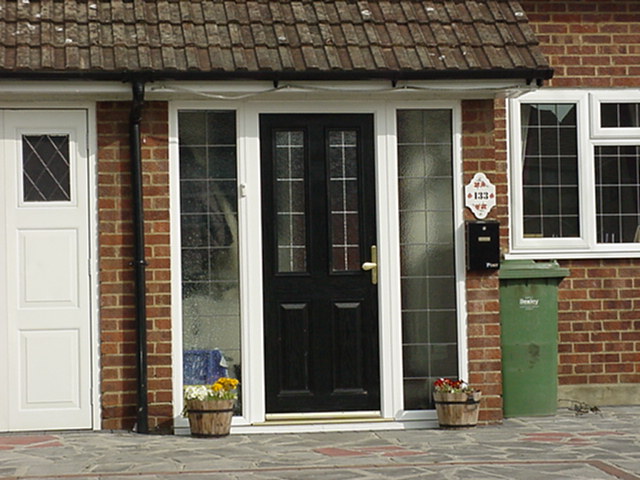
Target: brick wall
[(595, 44), (117, 312), (589, 43), (599, 323), (481, 153)]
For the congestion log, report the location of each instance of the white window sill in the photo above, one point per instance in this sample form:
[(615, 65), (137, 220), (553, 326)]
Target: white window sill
[(556, 254)]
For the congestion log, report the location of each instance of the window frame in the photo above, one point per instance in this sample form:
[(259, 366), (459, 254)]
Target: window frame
[(596, 99), (589, 135)]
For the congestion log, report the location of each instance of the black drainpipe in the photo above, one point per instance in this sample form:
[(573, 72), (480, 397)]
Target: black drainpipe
[(139, 262)]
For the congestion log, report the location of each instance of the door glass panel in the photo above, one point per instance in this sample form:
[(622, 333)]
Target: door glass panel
[(429, 319), (46, 168), (209, 238), (290, 226), (343, 199)]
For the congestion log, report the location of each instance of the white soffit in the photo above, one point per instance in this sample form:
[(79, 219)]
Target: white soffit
[(47, 91)]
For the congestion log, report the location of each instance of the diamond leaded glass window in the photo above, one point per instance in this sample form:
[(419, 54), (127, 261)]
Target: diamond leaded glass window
[(46, 168)]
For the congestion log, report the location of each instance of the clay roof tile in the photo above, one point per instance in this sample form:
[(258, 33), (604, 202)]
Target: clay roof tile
[(259, 37)]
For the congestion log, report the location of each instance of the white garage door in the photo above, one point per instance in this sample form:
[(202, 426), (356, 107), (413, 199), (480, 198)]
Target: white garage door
[(45, 327)]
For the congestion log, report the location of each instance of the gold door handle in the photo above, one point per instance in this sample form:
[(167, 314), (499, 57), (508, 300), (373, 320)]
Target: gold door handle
[(372, 265)]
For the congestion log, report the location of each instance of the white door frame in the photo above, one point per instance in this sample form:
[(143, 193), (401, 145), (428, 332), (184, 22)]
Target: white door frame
[(89, 112), (392, 414)]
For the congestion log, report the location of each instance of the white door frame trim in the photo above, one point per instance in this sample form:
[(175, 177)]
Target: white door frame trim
[(250, 232)]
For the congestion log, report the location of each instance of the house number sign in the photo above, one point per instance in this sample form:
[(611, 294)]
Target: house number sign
[(480, 195)]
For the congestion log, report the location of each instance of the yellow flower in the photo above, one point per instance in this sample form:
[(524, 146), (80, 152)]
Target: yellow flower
[(227, 383), (231, 383)]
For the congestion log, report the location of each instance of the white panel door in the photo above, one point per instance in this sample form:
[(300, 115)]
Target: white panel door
[(46, 319)]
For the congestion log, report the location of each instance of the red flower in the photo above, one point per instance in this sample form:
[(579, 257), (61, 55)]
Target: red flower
[(451, 386)]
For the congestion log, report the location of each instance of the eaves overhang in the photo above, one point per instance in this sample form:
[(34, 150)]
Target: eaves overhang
[(537, 75)]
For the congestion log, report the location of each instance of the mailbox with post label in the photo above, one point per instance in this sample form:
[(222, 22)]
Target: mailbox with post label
[(483, 245)]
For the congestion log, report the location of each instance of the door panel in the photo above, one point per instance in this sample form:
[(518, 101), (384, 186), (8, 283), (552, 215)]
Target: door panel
[(41, 385), (295, 342), (46, 319), (348, 342), (46, 279), (321, 323)]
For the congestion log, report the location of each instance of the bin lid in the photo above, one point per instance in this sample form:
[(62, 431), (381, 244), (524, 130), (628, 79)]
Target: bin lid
[(531, 269)]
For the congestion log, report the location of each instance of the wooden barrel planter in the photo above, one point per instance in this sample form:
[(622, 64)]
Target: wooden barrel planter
[(210, 418), (457, 410)]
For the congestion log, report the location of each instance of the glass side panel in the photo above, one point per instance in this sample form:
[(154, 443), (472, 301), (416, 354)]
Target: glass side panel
[(617, 115), (343, 200), (617, 170), (550, 170), (429, 318), (46, 168), (290, 201), (209, 238)]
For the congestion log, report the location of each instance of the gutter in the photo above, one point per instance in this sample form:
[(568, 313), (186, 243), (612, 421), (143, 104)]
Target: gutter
[(530, 75), (139, 262)]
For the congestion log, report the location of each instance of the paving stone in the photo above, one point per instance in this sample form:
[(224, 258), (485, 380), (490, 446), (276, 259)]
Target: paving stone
[(564, 446)]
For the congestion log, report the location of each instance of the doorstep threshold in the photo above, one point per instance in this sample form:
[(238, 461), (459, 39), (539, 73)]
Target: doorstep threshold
[(323, 418)]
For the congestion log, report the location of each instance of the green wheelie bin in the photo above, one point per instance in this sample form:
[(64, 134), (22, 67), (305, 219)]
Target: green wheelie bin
[(529, 336)]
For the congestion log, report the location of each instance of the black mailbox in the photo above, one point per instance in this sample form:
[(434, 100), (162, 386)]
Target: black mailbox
[(483, 245)]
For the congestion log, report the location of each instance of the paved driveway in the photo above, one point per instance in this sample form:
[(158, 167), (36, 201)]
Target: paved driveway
[(603, 445)]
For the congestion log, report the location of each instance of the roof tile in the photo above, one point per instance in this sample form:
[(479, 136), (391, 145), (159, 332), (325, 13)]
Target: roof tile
[(164, 15), (149, 14), (285, 59), (377, 57), (185, 12), (290, 36), (350, 35), (310, 57), (436, 11), (256, 37), (401, 58), (372, 34), (47, 56), (191, 57), (144, 58), (235, 35), (304, 34)]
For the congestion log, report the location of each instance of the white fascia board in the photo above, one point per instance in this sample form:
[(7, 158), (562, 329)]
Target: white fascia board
[(41, 90)]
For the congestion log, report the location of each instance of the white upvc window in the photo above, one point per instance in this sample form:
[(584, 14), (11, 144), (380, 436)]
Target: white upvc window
[(575, 173)]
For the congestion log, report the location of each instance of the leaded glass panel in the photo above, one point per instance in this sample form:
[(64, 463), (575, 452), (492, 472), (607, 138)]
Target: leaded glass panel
[(343, 195), (617, 170), (290, 201), (46, 168), (620, 115), (429, 318), (209, 240), (550, 170)]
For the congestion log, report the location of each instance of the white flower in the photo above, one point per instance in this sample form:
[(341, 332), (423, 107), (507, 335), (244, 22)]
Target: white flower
[(197, 392)]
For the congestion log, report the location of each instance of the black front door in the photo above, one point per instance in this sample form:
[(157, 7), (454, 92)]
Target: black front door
[(319, 225)]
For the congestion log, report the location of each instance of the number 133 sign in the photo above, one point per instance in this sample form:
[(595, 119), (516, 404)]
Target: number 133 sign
[(480, 195)]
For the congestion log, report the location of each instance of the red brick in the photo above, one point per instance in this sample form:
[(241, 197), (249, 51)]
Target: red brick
[(590, 368), (588, 347), (601, 379), (117, 324), (620, 368)]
